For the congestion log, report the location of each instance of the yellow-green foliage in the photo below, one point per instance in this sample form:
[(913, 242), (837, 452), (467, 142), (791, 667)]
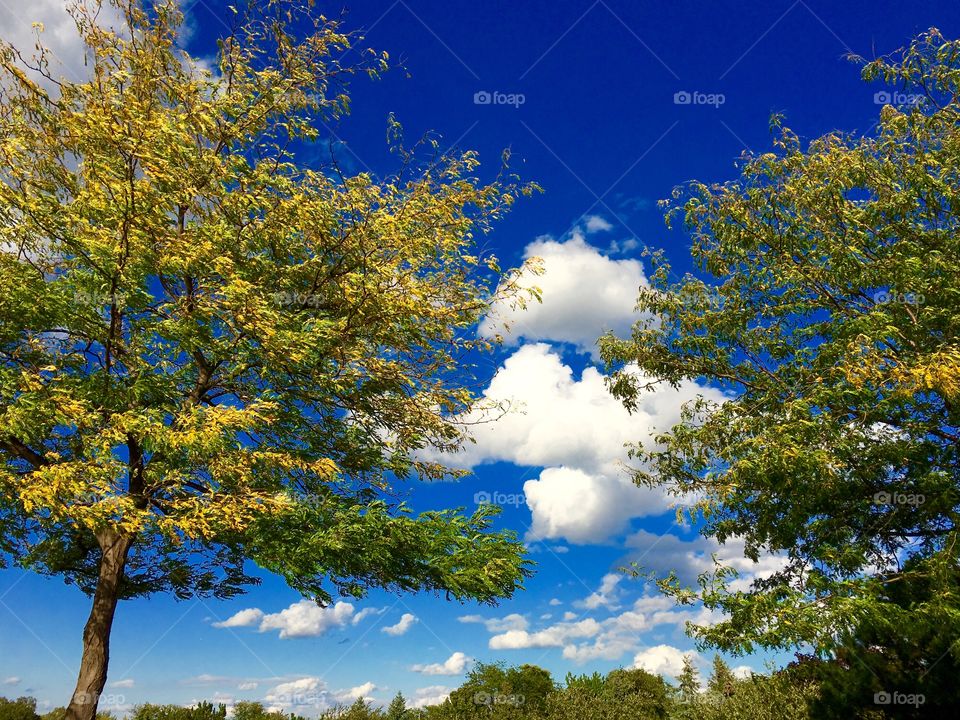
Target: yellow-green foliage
[(206, 345)]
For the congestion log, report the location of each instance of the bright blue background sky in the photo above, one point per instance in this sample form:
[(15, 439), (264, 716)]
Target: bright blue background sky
[(600, 131)]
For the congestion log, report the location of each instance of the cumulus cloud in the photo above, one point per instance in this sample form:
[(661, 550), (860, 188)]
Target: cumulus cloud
[(432, 695), (554, 636), (307, 619), (59, 34), (662, 660), (621, 633), (301, 619), (354, 693), (366, 612), (583, 494), (513, 621), (689, 558), (406, 622), (453, 665), (584, 293), (306, 692), (605, 596), (586, 639), (244, 618), (596, 223)]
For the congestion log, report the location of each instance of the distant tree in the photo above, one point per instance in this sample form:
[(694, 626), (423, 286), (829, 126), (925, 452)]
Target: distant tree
[(722, 680), (592, 684), (211, 352), (397, 709), (248, 710), (830, 312), (516, 691), (200, 711), (638, 683), (23, 708), (361, 709), (689, 680)]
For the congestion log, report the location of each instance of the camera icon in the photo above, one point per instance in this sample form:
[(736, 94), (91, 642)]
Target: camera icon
[(482, 97), (882, 97), (482, 698), (882, 297), (482, 498), (682, 97), (882, 498), (882, 698)]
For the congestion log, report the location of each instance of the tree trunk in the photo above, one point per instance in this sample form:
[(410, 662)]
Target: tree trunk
[(114, 547)]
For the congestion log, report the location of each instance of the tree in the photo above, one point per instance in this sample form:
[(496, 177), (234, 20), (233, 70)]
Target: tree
[(830, 313), (397, 709), (211, 353), (637, 683), (722, 680), (23, 708), (515, 691), (592, 684), (689, 680)]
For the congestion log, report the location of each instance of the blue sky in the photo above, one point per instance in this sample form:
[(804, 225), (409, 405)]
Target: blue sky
[(590, 98)]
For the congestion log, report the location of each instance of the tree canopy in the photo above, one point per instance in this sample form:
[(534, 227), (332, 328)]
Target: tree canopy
[(213, 352), (828, 304)]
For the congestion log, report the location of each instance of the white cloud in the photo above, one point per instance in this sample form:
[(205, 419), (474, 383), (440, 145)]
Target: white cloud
[(366, 612), (432, 695), (583, 494), (59, 34), (453, 665), (406, 622), (596, 223), (605, 596), (584, 293), (662, 660), (307, 619), (513, 621), (742, 671), (554, 636), (247, 685), (244, 618), (360, 691), (588, 639), (689, 558), (12, 680), (125, 683), (305, 692), (556, 601), (627, 245)]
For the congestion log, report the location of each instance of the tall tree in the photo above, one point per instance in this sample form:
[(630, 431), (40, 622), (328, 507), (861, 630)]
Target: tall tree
[(212, 353), (830, 310), (397, 709), (722, 680)]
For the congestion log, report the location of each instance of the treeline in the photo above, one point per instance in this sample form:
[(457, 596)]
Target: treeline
[(528, 692), (806, 689)]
